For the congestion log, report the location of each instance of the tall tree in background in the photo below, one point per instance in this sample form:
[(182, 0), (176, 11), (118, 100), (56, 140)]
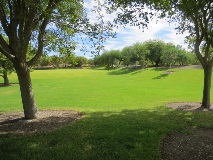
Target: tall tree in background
[(192, 16)]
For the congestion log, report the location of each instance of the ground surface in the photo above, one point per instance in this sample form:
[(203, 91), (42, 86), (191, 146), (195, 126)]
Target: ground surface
[(47, 120), (191, 143)]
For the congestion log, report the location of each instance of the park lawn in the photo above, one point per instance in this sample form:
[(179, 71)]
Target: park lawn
[(125, 113)]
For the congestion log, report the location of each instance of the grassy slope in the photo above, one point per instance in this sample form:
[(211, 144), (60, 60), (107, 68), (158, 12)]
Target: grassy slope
[(100, 90), (126, 117)]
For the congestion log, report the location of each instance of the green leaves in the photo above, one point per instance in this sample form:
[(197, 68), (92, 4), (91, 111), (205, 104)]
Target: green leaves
[(155, 52)]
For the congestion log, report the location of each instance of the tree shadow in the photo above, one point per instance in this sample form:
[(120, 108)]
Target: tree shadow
[(129, 134), (126, 71), (3, 85), (161, 76), (97, 68), (11, 84), (17, 125), (160, 68)]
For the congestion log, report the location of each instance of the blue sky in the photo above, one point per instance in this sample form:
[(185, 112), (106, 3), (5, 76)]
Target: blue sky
[(130, 35)]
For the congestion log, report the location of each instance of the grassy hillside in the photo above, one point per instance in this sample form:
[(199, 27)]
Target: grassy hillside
[(124, 108), (100, 90)]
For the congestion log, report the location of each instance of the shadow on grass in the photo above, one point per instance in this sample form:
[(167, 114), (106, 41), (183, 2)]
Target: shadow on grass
[(160, 68), (126, 71), (11, 84), (161, 76), (97, 68), (125, 135)]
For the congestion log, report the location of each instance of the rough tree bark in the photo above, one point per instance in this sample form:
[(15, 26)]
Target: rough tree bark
[(29, 105), (206, 102), (19, 19)]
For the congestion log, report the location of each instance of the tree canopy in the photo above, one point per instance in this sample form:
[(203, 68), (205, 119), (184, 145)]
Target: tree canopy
[(44, 25), (149, 53)]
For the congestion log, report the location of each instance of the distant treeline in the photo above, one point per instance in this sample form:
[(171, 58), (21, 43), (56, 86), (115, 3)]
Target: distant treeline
[(61, 61), (152, 52)]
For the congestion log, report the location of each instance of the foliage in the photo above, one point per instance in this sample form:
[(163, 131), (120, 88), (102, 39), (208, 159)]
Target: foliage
[(139, 54), (126, 52), (155, 51), (80, 61), (169, 54), (43, 61), (62, 61), (155, 48), (110, 59)]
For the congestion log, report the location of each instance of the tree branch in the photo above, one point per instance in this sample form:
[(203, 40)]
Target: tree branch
[(198, 41), (5, 49), (3, 18), (51, 5), (40, 43)]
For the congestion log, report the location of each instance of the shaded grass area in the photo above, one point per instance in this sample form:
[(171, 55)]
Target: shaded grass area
[(125, 135), (125, 113), (125, 70)]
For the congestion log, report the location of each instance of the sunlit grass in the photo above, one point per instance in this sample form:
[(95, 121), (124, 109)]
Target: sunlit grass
[(100, 90)]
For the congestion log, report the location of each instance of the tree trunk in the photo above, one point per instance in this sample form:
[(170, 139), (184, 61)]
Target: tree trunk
[(28, 101), (206, 103), (6, 80), (157, 62)]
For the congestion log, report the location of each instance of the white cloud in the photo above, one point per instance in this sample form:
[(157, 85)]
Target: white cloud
[(130, 35)]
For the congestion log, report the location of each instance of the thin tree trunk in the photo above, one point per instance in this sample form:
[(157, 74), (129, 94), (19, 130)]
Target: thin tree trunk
[(157, 62), (6, 80), (28, 101), (206, 103)]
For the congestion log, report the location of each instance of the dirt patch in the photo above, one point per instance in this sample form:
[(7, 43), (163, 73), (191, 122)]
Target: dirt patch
[(47, 120), (191, 67), (191, 143), (189, 106)]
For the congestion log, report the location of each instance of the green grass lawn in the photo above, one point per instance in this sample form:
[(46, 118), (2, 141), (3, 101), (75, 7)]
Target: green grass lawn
[(125, 112)]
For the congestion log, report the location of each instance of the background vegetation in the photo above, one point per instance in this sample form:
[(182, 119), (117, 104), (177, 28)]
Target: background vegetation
[(150, 53)]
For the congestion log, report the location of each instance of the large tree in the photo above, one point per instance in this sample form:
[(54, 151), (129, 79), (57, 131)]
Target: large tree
[(25, 22), (193, 16), (44, 24), (196, 17)]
